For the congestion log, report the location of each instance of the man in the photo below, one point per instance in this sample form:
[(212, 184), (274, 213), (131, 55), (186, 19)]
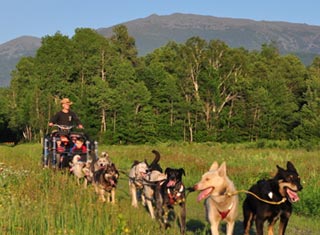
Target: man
[(66, 117)]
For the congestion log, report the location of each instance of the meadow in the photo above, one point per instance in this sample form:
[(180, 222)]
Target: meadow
[(42, 201)]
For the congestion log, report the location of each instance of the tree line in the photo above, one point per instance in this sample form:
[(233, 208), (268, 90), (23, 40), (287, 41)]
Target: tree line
[(196, 91)]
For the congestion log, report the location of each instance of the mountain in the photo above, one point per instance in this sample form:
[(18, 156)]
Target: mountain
[(12, 51), (155, 31)]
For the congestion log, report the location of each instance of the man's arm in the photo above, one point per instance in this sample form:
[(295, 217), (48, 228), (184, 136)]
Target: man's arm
[(54, 119), (77, 120)]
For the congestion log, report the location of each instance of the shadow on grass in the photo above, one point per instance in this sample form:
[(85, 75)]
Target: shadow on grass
[(197, 227)]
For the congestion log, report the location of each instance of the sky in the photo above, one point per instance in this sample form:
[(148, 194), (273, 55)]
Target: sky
[(41, 18)]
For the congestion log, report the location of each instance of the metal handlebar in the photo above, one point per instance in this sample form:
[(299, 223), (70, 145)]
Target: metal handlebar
[(63, 127)]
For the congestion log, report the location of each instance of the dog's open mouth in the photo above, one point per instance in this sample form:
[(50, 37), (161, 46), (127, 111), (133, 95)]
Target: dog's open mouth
[(171, 183), (205, 193), (143, 174), (292, 195), (112, 182)]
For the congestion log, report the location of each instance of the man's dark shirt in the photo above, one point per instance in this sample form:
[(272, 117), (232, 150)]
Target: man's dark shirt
[(66, 119)]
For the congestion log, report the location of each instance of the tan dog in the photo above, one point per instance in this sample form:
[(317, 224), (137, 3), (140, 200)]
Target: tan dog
[(81, 170), (216, 187)]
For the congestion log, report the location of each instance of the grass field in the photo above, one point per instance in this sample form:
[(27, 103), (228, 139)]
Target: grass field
[(40, 201)]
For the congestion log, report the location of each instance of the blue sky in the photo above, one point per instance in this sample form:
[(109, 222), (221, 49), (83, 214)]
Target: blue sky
[(45, 17)]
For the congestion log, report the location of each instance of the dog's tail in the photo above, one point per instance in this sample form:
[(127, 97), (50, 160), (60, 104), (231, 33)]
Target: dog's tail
[(156, 158), (155, 163)]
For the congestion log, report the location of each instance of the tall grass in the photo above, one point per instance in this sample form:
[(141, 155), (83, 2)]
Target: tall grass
[(40, 201)]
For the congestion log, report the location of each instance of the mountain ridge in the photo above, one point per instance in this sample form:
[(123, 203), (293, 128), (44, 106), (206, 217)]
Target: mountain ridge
[(12, 51), (155, 31), (246, 33)]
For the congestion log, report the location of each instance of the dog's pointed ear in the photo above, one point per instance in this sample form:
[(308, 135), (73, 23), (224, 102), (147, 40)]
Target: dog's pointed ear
[(280, 168), (223, 169), (135, 162), (214, 166), (290, 166), (168, 169), (281, 174)]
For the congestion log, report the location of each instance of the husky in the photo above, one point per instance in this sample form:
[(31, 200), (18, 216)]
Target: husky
[(102, 161), (105, 182), (142, 181), (220, 201), (81, 170)]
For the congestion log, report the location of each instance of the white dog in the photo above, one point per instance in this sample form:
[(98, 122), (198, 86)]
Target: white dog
[(143, 179), (81, 170)]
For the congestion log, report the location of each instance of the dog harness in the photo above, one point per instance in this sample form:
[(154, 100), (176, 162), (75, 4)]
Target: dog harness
[(224, 214), (137, 182), (176, 195)]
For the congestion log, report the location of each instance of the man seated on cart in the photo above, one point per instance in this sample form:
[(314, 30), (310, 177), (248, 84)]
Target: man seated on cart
[(64, 118)]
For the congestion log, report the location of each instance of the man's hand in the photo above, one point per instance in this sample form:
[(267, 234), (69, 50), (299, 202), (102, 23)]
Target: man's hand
[(50, 124), (80, 126)]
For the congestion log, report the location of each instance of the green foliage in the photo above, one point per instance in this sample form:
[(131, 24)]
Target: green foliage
[(195, 91), (310, 204)]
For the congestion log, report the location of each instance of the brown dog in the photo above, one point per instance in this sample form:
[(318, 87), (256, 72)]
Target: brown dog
[(105, 182)]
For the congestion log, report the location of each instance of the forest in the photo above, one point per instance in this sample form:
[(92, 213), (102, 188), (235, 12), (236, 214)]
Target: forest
[(196, 91)]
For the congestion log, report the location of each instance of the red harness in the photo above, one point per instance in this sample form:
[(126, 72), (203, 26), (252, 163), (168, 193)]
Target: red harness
[(175, 196), (224, 214)]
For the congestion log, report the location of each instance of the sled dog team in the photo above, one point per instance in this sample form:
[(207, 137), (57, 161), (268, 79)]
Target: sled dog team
[(162, 192)]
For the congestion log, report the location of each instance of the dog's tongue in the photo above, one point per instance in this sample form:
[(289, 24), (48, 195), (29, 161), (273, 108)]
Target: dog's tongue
[(204, 194), (293, 195), (171, 183)]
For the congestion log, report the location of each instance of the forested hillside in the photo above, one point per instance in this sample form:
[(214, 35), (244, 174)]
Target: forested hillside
[(195, 91)]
